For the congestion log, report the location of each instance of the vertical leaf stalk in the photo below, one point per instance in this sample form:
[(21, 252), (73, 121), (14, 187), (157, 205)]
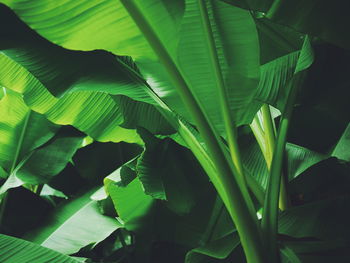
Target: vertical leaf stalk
[(227, 186), (271, 144), (270, 213), (224, 104)]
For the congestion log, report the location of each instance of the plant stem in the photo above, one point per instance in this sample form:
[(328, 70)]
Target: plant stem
[(270, 213), (268, 132), (226, 185), (189, 138), (225, 108), (259, 135), (271, 144)]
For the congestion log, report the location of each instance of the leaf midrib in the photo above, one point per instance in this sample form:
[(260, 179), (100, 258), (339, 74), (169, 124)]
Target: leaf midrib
[(20, 141)]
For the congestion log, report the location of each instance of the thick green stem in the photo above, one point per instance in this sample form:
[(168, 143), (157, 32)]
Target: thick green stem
[(227, 186), (224, 104), (269, 132), (259, 135), (189, 138), (271, 144), (270, 213)]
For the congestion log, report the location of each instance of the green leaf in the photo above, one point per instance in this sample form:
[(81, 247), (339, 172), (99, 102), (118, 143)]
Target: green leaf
[(130, 201), (237, 49), (18, 250), (91, 25), (257, 5), (277, 74), (162, 167), (33, 67), (316, 251), (80, 109), (319, 18), (299, 159), (50, 159), (341, 150), (218, 249), (323, 219), (48, 191), (276, 40), (43, 163), (289, 256), (73, 225), (21, 130)]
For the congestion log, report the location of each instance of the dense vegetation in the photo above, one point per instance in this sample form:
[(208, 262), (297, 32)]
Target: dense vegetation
[(174, 131)]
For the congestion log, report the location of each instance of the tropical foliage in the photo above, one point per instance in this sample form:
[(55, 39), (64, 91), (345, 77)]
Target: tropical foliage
[(174, 131)]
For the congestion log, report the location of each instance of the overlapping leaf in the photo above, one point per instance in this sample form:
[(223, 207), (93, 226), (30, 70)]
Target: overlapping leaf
[(32, 69), (90, 25), (18, 250), (21, 129), (74, 225)]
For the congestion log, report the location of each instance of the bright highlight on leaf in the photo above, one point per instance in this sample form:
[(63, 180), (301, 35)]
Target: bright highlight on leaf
[(174, 131)]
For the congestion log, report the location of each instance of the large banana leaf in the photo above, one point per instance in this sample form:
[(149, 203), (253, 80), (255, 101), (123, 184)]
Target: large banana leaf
[(129, 199), (21, 130), (90, 25), (31, 66), (42, 164), (235, 53), (161, 167), (61, 70), (18, 250), (73, 225), (319, 18), (234, 35)]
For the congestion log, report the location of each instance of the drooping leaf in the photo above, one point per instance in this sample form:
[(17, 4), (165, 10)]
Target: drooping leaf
[(55, 155), (277, 74), (299, 159), (318, 18), (43, 163), (237, 51), (21, 129), (162, 167), (130, 201), (31, 65), (49, 192), (19, 250), (61, 70), (73, 225), (78, 22), (323, 100), (341, 150), (236, 48), (276, 40)]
